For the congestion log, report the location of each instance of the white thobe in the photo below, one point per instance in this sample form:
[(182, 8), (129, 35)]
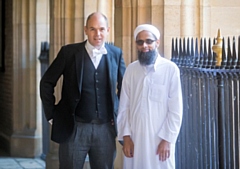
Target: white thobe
[(150, 110)]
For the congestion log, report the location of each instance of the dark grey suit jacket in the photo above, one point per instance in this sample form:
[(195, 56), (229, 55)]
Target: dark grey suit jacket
[(69, 64)]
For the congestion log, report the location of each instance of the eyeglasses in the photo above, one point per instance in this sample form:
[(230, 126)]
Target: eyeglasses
[(147, 41)]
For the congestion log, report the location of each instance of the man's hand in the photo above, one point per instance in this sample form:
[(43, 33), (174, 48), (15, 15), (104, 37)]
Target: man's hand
[(128, 146), (163, 150)]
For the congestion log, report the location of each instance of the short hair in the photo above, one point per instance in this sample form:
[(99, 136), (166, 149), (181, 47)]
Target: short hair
[(89, 17)]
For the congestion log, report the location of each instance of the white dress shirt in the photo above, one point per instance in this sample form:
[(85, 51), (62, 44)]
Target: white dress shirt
[(95, 54)]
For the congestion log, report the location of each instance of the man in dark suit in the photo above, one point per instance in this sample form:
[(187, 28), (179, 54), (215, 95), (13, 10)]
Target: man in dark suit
[(84, 120)]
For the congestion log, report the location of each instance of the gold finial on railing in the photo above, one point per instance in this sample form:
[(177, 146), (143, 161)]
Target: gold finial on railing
[(217, 48)]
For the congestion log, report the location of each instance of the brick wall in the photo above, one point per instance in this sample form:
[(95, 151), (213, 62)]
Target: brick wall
[(6, 93)]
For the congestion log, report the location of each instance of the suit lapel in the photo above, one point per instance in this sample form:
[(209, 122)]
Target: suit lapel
[(79, 57), (109, 64)]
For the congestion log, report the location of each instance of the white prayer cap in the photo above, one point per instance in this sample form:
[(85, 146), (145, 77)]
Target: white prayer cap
[(147, 27)]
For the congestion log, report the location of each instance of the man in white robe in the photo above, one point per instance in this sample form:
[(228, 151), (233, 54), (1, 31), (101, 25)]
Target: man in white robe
[(150, 109)]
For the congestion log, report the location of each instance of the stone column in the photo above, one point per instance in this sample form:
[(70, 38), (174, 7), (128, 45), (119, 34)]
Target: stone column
[(26, 137), (124, 26), (171, 24), (67, 21), (188, 18), (104, 6), (185, 18), (181, 19), (205, 18), (129, 14)]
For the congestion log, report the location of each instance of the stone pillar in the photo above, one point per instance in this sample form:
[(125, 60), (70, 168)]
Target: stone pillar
[(188, 18), (205, 18), (67, 20), (26, 137), (157, 20), (104, 6), (124, 26), (128, 15), (181, 19), (172, 20)]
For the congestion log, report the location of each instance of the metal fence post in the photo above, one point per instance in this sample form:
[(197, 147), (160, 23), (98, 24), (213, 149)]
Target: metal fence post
[(44, 60)]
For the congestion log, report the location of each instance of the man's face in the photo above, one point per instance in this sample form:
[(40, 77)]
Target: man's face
[(96, 30), (147, 47)]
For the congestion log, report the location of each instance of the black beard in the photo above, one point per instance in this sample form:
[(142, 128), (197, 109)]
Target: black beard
[(147, 58)]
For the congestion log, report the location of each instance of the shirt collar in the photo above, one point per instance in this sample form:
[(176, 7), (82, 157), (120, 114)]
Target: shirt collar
[(157, 62), (90, 47)]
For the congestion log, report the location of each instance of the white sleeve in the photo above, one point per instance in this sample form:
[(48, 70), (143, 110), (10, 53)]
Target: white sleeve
[(123, 110), (172, 124)]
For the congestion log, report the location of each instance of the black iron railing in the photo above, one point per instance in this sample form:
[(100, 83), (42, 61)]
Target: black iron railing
[(44, 60), (209, 136)]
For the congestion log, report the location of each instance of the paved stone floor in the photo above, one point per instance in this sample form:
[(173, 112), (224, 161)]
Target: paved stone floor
[(21, 163), (7, 162)]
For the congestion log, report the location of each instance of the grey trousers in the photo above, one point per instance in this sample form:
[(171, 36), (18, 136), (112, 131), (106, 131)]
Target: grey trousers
[(96, 140)]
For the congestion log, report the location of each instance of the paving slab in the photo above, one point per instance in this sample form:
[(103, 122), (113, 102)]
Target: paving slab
[(21, 163)]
